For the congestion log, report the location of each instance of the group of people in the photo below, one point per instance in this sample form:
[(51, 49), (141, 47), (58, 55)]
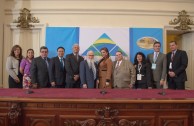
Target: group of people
[(76, 72)]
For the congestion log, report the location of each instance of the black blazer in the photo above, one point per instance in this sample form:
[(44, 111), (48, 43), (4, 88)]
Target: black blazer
[(39, 72), (57, 73), (72, 67), (145, 71), (179, 65)]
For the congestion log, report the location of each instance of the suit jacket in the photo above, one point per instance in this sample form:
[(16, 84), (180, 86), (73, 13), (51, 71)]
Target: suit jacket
[(179, 65), (57, 73), (124, 75), (145, 71), (72, 68), (160, 72), (105, 73), (39, 72), (86, 75)]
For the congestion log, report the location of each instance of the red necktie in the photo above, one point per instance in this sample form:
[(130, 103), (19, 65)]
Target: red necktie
[(172, 56)]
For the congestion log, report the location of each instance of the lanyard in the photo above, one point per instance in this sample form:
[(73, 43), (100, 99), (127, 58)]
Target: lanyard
[(139, 67)]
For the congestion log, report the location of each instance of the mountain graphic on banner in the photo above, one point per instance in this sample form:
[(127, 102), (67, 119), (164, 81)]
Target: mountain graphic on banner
[(104, 41)]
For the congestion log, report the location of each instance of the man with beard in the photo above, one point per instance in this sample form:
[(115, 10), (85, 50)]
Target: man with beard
[(88, 71)]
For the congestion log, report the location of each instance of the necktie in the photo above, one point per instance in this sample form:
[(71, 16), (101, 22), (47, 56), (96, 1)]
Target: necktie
[(117, 65), (172, 56), (61, 61), (76, 57), (45, 59), (155, 57)]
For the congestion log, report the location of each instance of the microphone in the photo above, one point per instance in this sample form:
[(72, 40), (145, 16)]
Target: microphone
[(162, 91), (29, 91), (103, 91)]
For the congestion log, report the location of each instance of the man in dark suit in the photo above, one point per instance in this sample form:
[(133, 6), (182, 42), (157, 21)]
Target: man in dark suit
[(72, 64), (39, 69), (57, 71), (158, 63), (88, 71), (177, 62)]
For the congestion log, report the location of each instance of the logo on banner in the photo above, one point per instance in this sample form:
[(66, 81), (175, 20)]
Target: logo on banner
[(104, 41), (146, 42)]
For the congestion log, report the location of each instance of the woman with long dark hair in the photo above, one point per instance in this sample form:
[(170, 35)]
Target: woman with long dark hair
[(25, 68), (105, 69), (143, 71), (12, 67)]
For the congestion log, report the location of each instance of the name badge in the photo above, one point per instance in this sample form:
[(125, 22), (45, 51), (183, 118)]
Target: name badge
[(153, 66), (170, 65), (138, 76)]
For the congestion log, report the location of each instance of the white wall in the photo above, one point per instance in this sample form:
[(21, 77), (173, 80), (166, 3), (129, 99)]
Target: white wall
[(113, 13), (96, 13)]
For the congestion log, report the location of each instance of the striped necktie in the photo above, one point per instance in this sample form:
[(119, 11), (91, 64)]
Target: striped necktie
[(47, 64)]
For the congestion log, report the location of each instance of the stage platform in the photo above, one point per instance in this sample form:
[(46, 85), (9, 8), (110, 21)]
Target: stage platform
[(90, 107)]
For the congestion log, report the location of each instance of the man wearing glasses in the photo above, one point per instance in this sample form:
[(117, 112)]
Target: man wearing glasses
[(39, 69)]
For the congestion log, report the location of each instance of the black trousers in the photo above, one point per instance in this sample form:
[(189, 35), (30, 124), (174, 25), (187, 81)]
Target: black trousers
[(176, 85), (75, 84), (141, 86), (13, 84)]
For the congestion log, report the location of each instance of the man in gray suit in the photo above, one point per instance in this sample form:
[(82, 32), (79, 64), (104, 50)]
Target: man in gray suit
[(39, 69), (88, 71), (158, 64), (124, 73)]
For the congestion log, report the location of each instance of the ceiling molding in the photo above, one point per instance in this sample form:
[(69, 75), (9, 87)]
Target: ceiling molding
[(99, 12), (174, 1)]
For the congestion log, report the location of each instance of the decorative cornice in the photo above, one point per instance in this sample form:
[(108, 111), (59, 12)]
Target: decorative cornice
[(25, 19), (36, 25), (183, 20), (98, 12), (171, 1)]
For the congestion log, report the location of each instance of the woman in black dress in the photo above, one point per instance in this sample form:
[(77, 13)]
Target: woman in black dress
[(143, 72)]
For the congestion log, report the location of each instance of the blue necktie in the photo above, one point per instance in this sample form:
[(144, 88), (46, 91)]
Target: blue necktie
[(61, 61)]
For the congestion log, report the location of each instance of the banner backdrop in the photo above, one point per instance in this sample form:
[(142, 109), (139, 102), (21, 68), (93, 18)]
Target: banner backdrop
[(127, 40), (115, 39), (142, 40), (61, 36)]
